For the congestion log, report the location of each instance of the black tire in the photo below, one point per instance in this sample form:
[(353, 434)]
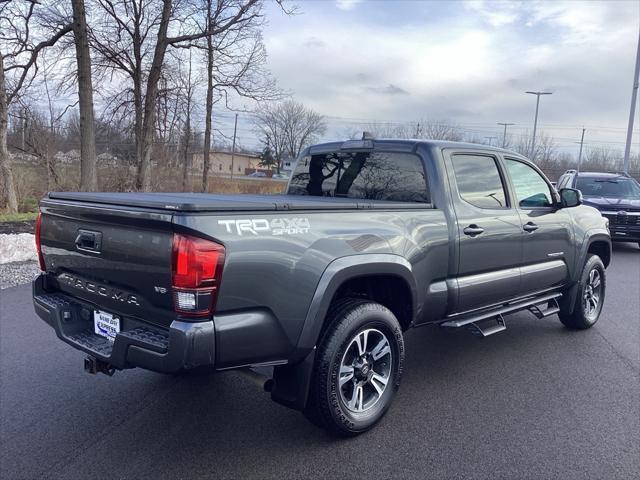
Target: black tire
[(585, 314), (372, 324)]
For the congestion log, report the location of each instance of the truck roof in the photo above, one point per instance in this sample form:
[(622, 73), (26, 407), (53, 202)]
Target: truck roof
[(406, 145)]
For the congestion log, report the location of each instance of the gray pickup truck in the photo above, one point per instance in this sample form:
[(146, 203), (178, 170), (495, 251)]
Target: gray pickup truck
[(372, 238)]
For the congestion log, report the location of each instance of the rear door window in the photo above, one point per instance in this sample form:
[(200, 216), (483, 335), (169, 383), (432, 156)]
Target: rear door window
[(368, 175), (479, 181)]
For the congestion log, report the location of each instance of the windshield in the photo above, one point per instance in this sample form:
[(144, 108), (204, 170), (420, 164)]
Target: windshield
[(621, 187)]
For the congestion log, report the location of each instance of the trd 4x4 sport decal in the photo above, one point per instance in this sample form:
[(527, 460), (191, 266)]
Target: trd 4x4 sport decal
[(274, 226)]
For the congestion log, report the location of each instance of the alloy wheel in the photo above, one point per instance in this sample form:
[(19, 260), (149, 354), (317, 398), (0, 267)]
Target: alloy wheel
[(592, 294), (365, 370)]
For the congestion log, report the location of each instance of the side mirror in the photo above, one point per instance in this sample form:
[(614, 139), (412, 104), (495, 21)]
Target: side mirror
[(570, 197)]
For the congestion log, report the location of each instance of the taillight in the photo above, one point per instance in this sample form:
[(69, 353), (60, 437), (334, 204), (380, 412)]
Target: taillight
[(197, 271), (38, 244)]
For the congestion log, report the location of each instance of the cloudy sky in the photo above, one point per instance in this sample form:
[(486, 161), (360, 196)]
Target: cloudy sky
[(469, 62)]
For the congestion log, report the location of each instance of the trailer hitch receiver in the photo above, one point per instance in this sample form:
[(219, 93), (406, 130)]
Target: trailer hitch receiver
[(92, 365)]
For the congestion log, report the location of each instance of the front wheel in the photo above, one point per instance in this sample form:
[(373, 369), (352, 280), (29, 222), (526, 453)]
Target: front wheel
[(358, 368), (590, 298)]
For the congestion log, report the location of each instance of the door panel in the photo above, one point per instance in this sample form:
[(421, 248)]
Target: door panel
[(548, 245), (489, 232), (541, 276), (482, 288)]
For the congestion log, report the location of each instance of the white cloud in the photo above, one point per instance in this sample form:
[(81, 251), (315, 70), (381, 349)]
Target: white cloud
[(497, 13), (347, 4), (469, 62)]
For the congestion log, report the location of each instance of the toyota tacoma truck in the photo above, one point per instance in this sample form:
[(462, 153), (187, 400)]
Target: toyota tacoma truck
[(372, 237)]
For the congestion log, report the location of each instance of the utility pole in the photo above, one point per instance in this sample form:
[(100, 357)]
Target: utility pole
[(490, 140), (632, 111), (535, 121), (504, 135), (580, 153), (233, 148)]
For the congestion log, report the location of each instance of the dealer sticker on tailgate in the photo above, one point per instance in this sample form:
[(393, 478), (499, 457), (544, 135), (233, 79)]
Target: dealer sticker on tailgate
[(106, 324)]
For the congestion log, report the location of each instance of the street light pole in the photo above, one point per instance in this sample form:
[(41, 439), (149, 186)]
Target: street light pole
[(580, 153), (504, 135), (535, 121), (632, 112)]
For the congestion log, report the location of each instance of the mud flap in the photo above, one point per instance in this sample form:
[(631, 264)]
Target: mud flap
[(292, 382)]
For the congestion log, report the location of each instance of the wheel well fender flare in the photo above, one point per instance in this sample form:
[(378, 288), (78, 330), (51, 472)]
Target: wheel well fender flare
[(342, 270), (592, 237), (569, 298), (292, 381)]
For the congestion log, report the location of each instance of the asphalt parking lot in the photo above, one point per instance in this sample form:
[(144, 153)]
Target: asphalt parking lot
[(535, 401)]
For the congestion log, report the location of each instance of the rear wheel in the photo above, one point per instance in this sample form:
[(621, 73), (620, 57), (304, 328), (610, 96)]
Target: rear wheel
[(358, 368), (590, 298)]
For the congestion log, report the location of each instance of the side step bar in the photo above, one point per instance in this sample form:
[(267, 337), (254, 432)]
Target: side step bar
[(487, 327), (495, 317)]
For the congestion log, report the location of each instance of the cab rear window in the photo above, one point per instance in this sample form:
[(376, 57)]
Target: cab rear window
[(368, 175)]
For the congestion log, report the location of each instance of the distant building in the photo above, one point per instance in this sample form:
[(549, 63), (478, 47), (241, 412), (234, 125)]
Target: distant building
[(220, 163)]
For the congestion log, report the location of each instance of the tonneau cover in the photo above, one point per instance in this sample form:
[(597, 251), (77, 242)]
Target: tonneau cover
[(205, 202)]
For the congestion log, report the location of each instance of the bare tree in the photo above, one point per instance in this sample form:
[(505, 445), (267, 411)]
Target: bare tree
[(288, 127), (546, 150), (188, 91), (135, 38), (603, 158), (22, 44), (42, 130), (209, 101), (88, 167), (123, 36), (421, 129), (8, 186), (235, 62), (439, 130)]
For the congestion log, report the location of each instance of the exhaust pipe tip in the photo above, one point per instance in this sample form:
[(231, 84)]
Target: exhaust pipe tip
[(264, 382)]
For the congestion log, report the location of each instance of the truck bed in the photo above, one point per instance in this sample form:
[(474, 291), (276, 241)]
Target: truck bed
[(205, 202)]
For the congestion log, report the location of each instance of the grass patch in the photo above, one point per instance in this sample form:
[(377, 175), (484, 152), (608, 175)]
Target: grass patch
[(18, 217)]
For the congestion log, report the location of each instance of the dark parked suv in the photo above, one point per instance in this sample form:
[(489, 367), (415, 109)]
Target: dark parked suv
[(616, 195)]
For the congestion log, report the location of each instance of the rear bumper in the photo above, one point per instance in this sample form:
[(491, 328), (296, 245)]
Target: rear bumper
[(184, 345), (232, 340)]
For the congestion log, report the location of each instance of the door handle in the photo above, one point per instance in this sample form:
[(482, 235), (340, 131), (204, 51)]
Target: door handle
[(473, 230), (89, 241), (530, 227)]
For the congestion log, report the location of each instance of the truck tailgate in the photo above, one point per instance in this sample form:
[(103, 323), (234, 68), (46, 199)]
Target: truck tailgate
[(118, 259)]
